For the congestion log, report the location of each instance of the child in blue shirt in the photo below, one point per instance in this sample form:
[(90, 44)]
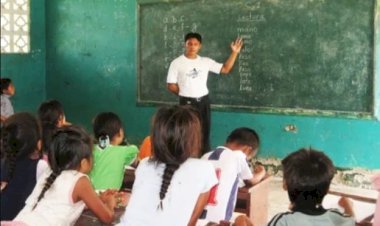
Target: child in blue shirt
[(21, 164)]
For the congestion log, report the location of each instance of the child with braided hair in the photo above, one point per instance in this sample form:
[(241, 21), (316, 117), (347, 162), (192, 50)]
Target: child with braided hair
[(62, 193), (21, 165), (52, 117), (172, 186)]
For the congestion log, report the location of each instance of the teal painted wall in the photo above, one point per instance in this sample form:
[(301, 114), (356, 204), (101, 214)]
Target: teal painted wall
[(91, 61), (27, 71), (91, 67)]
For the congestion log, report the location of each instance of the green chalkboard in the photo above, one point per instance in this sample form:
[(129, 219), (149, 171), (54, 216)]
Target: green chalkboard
[(299, 56)]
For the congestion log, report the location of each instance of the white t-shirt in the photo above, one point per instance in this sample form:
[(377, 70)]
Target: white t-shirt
[(191, 75), (192, 178), (56, 207), (230, 166), (42, 166)]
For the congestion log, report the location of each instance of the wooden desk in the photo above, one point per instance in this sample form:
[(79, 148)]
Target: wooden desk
[(360, 195), (129, 179), (253, 201), (88, 218)]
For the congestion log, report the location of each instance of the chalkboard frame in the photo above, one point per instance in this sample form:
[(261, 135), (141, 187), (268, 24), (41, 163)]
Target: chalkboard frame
[(374, 114)]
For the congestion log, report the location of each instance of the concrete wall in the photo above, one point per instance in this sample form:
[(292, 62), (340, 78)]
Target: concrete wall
[(91, 67), (27, 71)]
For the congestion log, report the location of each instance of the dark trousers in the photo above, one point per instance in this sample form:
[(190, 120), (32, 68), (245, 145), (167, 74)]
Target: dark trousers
[(202, 105)]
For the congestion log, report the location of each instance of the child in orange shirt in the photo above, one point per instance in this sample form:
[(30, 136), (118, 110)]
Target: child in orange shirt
[(145, 148)]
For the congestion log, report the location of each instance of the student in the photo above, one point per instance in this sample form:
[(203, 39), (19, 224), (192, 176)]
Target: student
[(171, 187), (307, 177), (187, 78), (52, 117), (231, 165), (21, 144), (7, 91), (62, 193), (145, 148), (110, 158)]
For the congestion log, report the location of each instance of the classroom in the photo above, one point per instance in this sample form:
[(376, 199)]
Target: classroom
[(96, 56)]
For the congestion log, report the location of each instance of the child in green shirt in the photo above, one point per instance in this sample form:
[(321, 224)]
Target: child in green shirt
[(110, 157)]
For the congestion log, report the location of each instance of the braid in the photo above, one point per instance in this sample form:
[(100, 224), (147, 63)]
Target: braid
[(69, 145), (10, 151), (175, 134), (3, 142), (166, 179), (49, 181), (11, 165), (48, 129), (19, 136)]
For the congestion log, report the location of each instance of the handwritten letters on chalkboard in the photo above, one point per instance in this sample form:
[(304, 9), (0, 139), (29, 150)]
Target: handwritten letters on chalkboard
[(298, 56)]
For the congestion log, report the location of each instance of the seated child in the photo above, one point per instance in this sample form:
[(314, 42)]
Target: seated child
[(21, 144), (52, 117), (62, 193), (145, 148), (110, 158), (230, 162), (7, 91), (171, 187), (307, 177)]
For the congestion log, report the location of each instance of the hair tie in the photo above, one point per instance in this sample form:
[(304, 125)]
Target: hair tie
[(104, 141)]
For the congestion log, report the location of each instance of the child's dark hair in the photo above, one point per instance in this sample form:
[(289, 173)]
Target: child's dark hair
[(69, 145), (307, 176), (106, 125), (20, 134), (4, 83), (49, 114), (176, 136), (193, 35), (244, 136)]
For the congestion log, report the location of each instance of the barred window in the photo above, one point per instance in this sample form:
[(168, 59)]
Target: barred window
[(15, 25)]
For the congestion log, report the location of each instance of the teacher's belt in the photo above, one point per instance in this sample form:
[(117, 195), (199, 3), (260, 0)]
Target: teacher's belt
[(196, 99)]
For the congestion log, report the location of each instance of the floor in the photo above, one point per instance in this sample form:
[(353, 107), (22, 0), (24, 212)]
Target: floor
[(278, 198)]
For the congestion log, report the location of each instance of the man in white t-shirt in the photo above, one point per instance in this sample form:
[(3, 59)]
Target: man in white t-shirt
[(187, 78), (231, 166)]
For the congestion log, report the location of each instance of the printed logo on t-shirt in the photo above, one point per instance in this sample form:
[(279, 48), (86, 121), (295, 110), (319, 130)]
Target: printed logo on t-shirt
[(214, 190), (194, 73)]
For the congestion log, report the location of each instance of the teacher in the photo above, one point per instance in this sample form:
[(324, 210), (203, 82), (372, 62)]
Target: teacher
[(187, 78)]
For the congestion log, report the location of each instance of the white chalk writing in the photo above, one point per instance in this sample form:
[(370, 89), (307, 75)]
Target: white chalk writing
[(173, 31), (247, 29)]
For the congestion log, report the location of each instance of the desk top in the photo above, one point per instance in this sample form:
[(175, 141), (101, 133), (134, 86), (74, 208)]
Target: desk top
[(359, 194), (88, 218)]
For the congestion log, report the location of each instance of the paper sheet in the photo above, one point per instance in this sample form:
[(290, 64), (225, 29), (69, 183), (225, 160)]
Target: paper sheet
[(361, 209)]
